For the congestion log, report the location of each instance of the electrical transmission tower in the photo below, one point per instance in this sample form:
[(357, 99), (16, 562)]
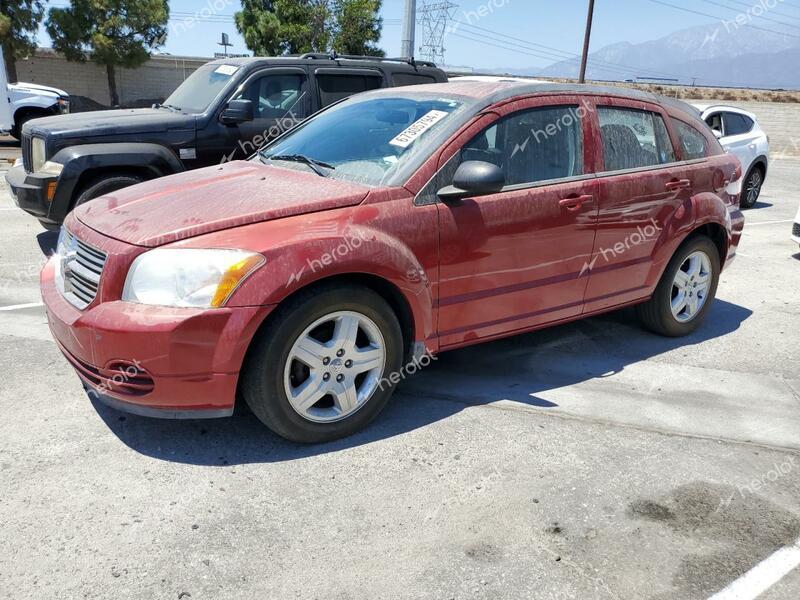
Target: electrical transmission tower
[(435, 17)]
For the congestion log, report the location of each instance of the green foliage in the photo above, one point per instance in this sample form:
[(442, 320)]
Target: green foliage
[(277, 27), (19, 21), (109, 32)]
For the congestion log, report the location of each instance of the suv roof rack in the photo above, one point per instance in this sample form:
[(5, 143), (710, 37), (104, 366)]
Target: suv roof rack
[(334, 56)]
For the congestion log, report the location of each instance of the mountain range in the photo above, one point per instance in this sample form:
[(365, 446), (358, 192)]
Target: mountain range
[(723, 54)]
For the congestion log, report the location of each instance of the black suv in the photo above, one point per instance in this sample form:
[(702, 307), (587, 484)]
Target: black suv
[(224, 111)]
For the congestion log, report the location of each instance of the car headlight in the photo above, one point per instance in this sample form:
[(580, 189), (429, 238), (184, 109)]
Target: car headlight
[(38, 154), (188, 277)]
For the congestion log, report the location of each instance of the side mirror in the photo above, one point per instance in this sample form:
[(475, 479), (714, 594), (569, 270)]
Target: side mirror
[(237, 111), (717, 134), (474, 178)]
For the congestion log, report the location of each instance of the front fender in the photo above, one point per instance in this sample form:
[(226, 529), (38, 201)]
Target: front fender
[(77, 160), (353, 250)]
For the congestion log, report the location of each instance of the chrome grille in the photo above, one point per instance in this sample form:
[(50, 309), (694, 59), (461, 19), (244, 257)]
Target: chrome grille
[(26, 152), (81, 269)]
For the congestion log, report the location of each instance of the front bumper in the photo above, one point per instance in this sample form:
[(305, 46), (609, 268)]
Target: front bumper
[(29, 192), (154, 361)]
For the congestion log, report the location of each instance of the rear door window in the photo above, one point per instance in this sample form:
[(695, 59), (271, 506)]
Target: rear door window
[(633, 139), (693, 143), (401, 79), (715, 122), (335, 87), (736, 124), (532, 145)]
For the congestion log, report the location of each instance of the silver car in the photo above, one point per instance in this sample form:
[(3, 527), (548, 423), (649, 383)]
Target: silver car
[(740, 134)]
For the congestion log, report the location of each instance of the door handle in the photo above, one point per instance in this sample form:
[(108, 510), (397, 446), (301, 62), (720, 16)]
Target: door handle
[(575, 202), (678, 184)]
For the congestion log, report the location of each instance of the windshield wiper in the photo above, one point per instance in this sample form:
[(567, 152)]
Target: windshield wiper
[(312, 163), (171, 107)]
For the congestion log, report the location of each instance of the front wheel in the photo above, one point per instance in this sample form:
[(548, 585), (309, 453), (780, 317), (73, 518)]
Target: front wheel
[(686, 290), (106, 185), (321, 369)]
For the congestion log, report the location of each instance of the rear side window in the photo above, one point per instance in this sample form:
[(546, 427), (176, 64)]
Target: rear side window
[(333, 88), (715, 121), (401, 79), (693, 143), (633, 139), (736, 124), (532, 145)]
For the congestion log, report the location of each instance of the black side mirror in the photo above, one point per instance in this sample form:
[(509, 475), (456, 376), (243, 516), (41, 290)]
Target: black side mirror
[(237, 111), (474, 178)]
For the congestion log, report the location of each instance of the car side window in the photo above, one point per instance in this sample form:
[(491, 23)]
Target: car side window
[(402, 79), (333, 88), (736, 124), (715, 121), (275, 96), (633, 139), (533, 145), (693, 143)]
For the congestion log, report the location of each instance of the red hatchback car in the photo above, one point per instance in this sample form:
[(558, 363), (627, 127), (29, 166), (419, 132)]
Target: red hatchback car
[(393, 225)]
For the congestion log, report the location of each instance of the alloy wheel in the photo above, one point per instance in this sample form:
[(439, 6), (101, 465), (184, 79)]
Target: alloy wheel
[(753, 189), (334, 366), (691, 286)]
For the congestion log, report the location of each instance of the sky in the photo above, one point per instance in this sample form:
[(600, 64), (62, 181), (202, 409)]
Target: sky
[(196, 27)]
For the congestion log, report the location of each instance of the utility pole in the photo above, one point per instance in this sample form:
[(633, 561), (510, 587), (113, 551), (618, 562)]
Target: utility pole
[(586, 39), (409, 29)]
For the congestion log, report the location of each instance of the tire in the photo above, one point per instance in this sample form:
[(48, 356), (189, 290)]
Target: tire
[(16, 130), (272, 370), (106, 185), (50, 226), (751, 189), (657, 314)]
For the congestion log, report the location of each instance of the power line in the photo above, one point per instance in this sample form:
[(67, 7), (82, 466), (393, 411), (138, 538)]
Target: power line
[(703, 14), (765, 18)]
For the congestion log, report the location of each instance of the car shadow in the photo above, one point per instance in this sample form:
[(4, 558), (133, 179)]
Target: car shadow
[(518, 369), (760, 204)]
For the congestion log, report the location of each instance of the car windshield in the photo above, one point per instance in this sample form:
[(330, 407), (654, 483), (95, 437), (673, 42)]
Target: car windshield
[(367, 139), (195, 94)]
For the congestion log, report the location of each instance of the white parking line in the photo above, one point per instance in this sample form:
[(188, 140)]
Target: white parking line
[(20, 306), (763, 576), (768, 223)]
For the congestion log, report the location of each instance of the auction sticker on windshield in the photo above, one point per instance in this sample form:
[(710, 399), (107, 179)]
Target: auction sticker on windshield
[(416, 129), (226, 69)]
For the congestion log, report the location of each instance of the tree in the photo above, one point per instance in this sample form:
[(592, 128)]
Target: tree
[(113, 33), (19, 21), (358, 27), (276, 27)]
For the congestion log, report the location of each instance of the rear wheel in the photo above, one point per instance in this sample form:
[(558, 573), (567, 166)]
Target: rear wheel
[(22, 118), (319, 371), (686, 290), (106, 185), (752, 187)]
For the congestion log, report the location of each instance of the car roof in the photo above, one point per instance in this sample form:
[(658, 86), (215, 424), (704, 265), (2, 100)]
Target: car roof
[(395, 64), (492, 92), (704, 108)]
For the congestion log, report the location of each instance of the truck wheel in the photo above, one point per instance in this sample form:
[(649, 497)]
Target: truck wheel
[(686, 290), (22, 118), (106, 185), (320, 370)]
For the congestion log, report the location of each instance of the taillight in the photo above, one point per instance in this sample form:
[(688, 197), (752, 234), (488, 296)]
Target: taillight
[(737, 173)]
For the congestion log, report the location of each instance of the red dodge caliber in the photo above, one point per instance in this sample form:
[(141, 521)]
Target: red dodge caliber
[(396, 224)]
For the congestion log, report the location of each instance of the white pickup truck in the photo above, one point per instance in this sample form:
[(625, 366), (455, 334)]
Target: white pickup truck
[(26, 101)]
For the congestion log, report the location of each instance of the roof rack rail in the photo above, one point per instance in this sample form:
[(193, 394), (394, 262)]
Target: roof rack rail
[(334, 56)]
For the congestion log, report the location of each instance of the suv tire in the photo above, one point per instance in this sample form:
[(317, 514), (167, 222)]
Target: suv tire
[(325, 319), (668, 311), (751, 189)]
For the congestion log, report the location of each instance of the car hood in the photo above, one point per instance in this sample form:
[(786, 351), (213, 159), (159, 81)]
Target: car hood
[(110, 123), (197, 202), (23, 87)]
